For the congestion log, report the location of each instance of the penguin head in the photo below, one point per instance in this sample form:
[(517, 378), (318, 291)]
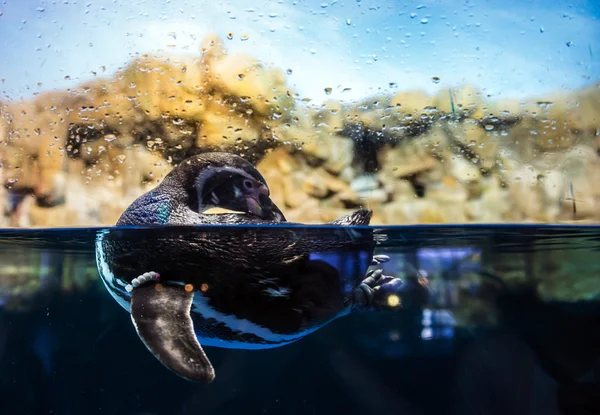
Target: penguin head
[(225, 181)]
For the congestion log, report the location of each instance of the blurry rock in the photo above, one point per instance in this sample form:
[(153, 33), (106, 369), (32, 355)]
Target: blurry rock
[(293, 192), (411, 103), (399, 189), (85, 153), (413, 212), (166, 87), (255, 85), (331, 116), (581, 167), (34, 158), (80, 208), (307, 212), (536, 195), (313, 146), (341, 153), (222, 127), (374, 114), (414, 110), (345, 199), (434, 142), (450, 197), (467, 174), (504, 112), (107, 105), (465, 101), (475, 140), (584, 109), (314, 185), (492, 206), (404, 161), (364, 184), (334, 184), (549, 125)]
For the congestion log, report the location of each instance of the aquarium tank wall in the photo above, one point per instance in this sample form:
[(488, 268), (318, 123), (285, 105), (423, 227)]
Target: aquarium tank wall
[(415, 229), (434, 112)]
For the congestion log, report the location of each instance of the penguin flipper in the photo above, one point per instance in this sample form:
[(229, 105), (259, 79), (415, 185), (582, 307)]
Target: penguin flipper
[(161, 317)]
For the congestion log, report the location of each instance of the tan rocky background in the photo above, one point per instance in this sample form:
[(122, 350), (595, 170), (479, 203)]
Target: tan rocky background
[(80, 157)]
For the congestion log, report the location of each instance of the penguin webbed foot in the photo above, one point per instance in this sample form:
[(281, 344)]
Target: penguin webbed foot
[(372, 286)]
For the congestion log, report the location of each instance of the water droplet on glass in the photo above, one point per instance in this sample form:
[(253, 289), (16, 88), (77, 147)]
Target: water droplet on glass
[(289, 72), (328, 91), (324, 5), (413, 15), (244, 37), (489, 127), (424, 21), (40, 9), (542, 29), (569, 44), (121, 158), (229, 35), (348, 22), (10, 182), (436, 80), (241, 76), (313, 51)]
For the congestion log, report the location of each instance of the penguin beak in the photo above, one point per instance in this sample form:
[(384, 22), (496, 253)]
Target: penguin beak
[(259, 204)]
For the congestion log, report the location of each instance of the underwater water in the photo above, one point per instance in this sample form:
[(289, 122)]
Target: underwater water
[(488, 320)]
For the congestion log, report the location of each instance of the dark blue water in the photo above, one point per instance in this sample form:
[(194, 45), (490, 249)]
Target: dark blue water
[(488, 320)]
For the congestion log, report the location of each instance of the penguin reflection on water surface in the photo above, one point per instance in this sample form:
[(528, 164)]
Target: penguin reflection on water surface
[(230, 287)]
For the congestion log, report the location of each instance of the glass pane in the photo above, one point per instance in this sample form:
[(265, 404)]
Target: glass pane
[(166, 159)]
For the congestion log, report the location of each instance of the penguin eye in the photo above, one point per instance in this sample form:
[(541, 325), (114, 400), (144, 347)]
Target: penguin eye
[(248, 184)]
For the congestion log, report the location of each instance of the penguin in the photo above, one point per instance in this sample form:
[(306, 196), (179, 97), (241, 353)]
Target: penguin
[(261, 283)]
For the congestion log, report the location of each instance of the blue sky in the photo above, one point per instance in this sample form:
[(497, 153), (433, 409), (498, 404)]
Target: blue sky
[(508, 48)]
